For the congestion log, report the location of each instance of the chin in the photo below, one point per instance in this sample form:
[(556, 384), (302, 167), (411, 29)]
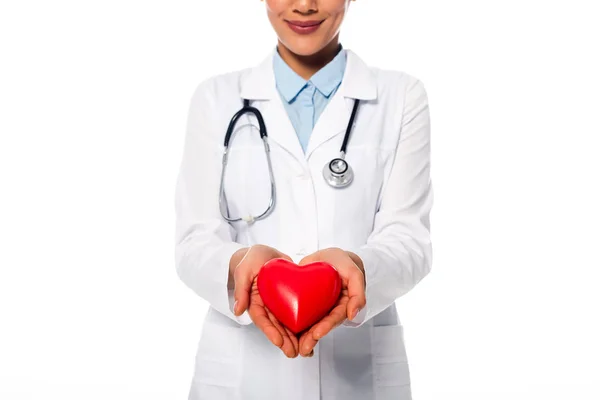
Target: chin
[(304, 49)]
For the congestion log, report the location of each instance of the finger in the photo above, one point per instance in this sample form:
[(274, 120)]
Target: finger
[(262, 322), (287, 346), (243, 282), (356, 292), (285, 256), (327, 324), (308, 259), (304, 346), (307, 345), (294, 340), (241, 293), (335, 318), (354, 307)]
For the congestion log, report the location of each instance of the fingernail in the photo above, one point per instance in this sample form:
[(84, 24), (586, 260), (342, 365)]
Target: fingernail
[(355, 313), (235, 304)]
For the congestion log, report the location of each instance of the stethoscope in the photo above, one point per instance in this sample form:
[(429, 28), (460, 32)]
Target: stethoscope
[(337, 173)]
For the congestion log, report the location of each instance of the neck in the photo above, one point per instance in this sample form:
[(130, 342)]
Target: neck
[(307, 66)]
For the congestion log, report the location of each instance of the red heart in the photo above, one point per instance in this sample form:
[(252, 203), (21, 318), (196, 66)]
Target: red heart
[(298, 296)]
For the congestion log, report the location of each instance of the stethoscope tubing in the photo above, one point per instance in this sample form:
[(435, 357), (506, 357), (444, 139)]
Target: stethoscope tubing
[(336, 179)]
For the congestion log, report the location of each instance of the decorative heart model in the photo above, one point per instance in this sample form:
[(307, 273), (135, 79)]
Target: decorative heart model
[(298, 296)]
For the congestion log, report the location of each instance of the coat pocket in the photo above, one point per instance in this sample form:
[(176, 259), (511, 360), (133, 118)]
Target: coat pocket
[(218, 356), (390, 363)]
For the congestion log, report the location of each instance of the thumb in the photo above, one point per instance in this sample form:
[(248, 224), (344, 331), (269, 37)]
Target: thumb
[(307, 259), (242, 276), (356, 292), (286, 257), (241, 292), (354, 307)]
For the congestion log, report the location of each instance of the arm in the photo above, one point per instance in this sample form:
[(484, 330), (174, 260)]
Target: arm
[(398, 253), (204, 241)]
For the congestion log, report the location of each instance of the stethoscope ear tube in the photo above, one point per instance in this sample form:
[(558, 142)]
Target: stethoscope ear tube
[(223, 205), (246, 109), (349, 127)]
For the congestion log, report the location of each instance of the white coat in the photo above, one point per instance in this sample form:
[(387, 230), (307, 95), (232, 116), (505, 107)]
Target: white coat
[(383, 216)]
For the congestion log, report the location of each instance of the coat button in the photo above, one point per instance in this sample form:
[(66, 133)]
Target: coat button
[(304, 175)]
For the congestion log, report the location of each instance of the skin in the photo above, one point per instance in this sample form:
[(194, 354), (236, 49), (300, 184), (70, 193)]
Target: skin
[(244, 267), (243, 270), (352, 298), (305, 54)]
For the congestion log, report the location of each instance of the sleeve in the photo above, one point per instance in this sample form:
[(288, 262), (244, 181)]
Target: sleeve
[(398, 252), (204, 241)]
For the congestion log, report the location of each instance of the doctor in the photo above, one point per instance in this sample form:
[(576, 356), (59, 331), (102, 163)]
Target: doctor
[(281, 196)]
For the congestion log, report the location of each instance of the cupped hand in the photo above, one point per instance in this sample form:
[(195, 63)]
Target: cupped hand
[(352, 297), (278, 334), (247, 297)]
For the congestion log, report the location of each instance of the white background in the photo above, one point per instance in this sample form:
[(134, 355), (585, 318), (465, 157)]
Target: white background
[(93, 103)]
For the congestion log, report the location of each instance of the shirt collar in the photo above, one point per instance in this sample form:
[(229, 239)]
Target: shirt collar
[(325, 80)]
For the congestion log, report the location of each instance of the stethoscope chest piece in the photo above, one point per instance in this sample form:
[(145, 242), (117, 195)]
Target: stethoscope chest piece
[(338, 173)]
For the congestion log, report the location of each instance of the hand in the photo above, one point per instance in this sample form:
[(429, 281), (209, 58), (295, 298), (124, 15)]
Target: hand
[(351, 300), (271, 327), (244, 273)]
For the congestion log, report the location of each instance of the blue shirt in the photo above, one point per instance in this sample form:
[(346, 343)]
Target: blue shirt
[(305, 100)]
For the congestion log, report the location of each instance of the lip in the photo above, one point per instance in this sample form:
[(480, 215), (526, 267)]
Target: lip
[(304, 27)]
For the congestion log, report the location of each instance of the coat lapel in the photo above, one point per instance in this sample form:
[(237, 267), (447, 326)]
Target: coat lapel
[(358, 83), (258, 83), (259, 86), (332, 122)]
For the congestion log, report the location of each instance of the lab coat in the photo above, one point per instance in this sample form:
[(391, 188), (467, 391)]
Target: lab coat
[(383, 217)]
